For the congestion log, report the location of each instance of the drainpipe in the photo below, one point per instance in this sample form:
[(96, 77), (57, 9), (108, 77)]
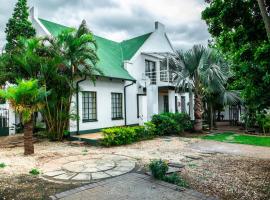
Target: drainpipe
[(125, 105), (77, 103)]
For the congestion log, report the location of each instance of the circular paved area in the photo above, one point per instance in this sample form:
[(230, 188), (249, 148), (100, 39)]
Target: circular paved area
[(87, 168)]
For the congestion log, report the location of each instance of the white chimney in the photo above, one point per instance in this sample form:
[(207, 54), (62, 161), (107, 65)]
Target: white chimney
[(159, 27), (33, 13)]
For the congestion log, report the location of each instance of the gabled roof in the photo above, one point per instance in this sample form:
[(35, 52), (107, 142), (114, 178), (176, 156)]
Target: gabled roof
[(111, 54)]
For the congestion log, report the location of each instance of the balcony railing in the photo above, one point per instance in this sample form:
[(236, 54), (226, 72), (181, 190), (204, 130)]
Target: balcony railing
[(160, 77)]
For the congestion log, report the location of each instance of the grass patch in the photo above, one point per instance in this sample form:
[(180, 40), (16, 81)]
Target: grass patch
[(2, 165), (231, 137)]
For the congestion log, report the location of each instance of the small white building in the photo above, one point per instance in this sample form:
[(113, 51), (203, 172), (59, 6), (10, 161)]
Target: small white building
[(136, 83)]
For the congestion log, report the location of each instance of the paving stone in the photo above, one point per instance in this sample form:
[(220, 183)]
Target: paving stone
[(54, 173), (173, 170), (82, 177), (131, 186), (65, 176), (114, 172), (177, 165), (99, 175)]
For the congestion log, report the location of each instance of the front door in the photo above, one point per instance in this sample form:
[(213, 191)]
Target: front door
[(166, 103), (4, 121)]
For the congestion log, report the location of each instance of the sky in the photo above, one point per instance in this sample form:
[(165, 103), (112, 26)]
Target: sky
[(122, 19)]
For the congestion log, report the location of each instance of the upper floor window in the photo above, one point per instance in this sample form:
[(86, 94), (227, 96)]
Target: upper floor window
[(150, 71), (89, 106), (117, 106)]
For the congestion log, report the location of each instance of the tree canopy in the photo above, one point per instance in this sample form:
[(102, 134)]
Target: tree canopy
[(18, 25), (238, 31)]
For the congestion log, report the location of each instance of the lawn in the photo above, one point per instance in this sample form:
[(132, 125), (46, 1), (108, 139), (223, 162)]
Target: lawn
[(231, 137)]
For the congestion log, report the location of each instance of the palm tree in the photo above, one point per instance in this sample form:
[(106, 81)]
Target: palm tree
[(26, 98), (201, 71), (72, 55)]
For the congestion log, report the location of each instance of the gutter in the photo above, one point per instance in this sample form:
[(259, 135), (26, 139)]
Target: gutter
[(77, 104), (125, 105)]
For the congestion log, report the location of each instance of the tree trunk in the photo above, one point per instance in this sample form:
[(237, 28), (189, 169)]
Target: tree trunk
[(191, 105), (28, 138), (198, 113), (211, 116), (265, 17)]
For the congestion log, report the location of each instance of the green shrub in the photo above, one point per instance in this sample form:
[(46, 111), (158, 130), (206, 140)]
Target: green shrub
[(158, 168), (176, 179), (34, 172), (127, 135), (2, 165), (171, 123)]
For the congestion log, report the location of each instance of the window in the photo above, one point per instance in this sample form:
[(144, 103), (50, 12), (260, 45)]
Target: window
[(166, 103), (89, 106), (117, 111), (150, 71)]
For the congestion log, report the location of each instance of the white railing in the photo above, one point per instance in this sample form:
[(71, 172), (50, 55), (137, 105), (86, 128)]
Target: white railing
[(163, 76)]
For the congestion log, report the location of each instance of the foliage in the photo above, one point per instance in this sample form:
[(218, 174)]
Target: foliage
[(263, 120), (2, 165), (171, 123), (238, 31), (34, 172), (26, 98), (127, 135), (18, 25), (57, 63), (176, 179), (202, 71), (159, 168), (231, 137)]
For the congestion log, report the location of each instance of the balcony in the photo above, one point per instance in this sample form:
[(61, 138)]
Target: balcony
[(160, 78)]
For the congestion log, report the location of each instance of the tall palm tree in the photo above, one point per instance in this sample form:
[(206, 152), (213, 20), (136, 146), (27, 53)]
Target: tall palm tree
[(201, 71), (72, 55), (26, 98)]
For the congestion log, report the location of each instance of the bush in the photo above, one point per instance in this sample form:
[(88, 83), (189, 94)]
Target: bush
[(159, 168), (34, 172), (2, 165), (171, 123), (127, 135)]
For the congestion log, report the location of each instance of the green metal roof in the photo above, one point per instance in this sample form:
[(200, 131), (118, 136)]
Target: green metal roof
[(111, 54), (131, 46)]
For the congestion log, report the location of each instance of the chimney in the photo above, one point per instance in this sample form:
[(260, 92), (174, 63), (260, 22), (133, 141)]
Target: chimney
[(33, 13), (159, 27)]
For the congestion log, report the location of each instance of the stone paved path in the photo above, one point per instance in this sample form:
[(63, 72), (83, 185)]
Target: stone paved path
[(87, 168), (131, 186)]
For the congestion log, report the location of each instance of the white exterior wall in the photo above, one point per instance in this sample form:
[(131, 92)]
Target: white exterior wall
[(12, 118), (103, 88)]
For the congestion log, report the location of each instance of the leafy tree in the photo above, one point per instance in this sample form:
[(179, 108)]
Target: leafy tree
[(26, 98), (18, 25), (57, 63), (202, 71), (238, 31)]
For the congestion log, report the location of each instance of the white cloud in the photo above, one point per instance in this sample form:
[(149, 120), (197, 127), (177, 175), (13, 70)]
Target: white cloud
[(122, 19)]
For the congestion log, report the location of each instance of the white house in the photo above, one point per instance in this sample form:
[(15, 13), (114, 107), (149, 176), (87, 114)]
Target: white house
[(136, 83)]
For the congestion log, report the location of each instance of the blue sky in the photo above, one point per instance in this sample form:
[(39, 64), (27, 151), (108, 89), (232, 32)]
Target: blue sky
[(122, 19)]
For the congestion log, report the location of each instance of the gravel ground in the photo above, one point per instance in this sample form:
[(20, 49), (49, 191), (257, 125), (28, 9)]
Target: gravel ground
[(229, 177)]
